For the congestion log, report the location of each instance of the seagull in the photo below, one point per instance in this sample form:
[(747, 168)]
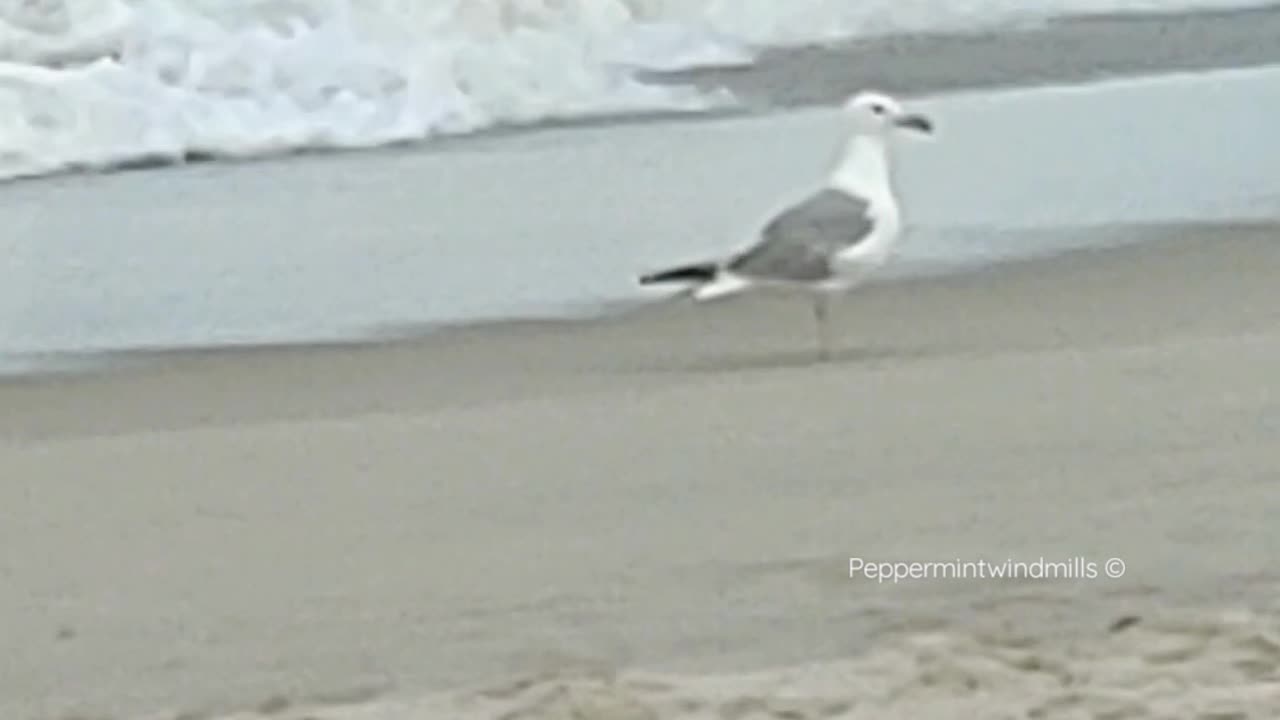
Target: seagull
[(829, 242)]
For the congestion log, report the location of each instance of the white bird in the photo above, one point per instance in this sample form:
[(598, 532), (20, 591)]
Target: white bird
[(829, 242)]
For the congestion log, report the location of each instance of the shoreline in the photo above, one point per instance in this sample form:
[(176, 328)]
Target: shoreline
[(21, 396), (26, 369), (375, 255), (1094, 50)]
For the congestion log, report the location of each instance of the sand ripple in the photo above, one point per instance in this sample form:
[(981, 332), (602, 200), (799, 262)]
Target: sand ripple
[(1184, 668)]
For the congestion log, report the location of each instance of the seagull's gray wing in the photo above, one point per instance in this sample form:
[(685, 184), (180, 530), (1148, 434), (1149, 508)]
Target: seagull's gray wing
[(798, 244)]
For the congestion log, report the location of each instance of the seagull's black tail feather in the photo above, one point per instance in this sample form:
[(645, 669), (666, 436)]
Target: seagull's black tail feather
[(699, 273)]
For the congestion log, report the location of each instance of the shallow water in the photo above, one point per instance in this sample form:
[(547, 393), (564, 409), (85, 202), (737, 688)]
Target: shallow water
[(561, 220)]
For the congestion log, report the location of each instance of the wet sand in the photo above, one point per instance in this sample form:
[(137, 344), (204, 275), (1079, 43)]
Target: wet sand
[(677, 491)]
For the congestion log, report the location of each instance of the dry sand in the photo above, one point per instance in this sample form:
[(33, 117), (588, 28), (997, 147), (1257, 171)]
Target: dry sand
[(677, 492)]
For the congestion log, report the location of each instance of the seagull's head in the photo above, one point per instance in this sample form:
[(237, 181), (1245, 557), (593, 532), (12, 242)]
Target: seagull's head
[(874, 113)]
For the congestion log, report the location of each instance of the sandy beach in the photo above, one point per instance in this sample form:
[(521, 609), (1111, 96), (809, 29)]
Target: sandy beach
[(678, 491), (654, 512)]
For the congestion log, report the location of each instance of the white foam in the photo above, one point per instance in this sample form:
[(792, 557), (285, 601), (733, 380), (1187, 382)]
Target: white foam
[(94, 83)]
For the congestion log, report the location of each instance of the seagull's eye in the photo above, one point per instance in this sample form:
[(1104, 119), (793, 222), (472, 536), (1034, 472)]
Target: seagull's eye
[(877, 109)]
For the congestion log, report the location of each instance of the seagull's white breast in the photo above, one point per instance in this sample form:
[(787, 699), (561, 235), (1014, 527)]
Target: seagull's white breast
[(863, 171), (852, 265)]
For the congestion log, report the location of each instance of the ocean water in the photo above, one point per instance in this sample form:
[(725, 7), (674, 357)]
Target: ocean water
[(338, 246), (100, 83)]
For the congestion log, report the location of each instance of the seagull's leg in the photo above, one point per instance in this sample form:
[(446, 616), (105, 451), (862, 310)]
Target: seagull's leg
[(821, 310)]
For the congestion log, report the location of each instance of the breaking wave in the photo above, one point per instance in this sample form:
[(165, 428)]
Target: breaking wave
[(100, 83)]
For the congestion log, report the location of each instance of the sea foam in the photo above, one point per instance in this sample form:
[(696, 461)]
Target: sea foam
[(101, 83)]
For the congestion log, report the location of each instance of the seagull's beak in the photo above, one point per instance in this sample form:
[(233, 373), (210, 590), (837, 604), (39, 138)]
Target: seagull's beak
[(912, 121)]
